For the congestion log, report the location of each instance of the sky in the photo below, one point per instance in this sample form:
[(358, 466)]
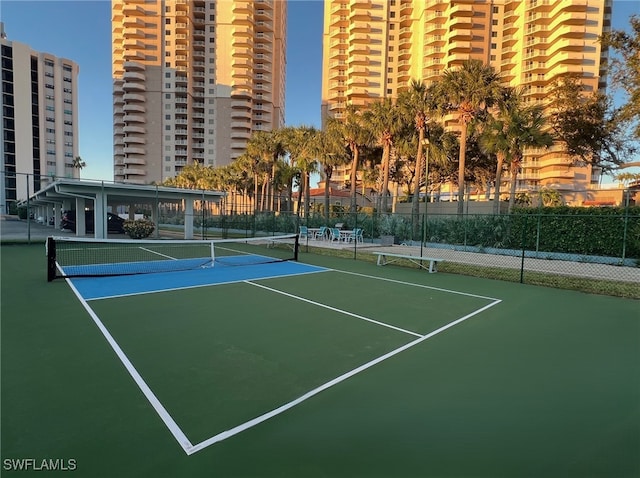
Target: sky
[(82, 33)]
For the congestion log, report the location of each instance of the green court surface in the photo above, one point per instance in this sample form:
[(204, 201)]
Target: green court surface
[(356, 371)]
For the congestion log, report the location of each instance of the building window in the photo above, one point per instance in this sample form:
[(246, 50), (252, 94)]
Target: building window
[(494, 46), (392, 14), (496, 9)]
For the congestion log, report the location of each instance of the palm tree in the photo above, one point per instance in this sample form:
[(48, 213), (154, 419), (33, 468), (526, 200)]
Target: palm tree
[(418, 103), (355, 135), (384, 121), (497, 135), (78, 163), (299, 142), (468, 91), (529, 132), (331, 152)]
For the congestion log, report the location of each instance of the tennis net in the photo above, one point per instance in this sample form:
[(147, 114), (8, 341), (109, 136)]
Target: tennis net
[(87, 257)]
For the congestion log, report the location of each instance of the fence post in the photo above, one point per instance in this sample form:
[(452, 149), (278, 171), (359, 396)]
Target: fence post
[(28, 212), (627, 194), (524, 236)]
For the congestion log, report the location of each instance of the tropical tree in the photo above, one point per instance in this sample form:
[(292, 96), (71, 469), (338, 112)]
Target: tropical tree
[(78, 163), (268, 147), (468, 92), (299, 143), (384, 121), (418, 104), (527, 129), (513, 127), (330, 152), (355, 136)]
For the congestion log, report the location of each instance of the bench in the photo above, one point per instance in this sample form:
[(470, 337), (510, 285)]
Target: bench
[(383, 259)]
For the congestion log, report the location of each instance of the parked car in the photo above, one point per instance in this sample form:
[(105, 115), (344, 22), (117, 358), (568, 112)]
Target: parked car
[(114, 222)]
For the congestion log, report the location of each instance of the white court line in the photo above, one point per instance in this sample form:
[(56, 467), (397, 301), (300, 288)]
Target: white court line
[(308, 301), (204, 285), (417, 285), (251, 423), (173, 427), (159, 254), (179, 435)]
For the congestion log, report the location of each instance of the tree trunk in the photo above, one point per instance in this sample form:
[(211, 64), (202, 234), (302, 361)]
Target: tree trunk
[(496, 199), (515, 165), (385, 178), (307, 193), (419, 167), (461, 167), (354, 179), (327, 178)]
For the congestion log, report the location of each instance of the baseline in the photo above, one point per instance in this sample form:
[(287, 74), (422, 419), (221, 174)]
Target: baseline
[(277, 411)]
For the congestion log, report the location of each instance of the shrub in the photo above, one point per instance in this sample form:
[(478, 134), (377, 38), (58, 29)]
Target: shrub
[(139, 229)]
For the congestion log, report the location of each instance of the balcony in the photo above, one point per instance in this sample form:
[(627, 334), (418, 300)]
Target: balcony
[(134, 150), (129, 129), (133, 140), (134, 86), (134, 118), (359, 49), (133, 76), (134, 66), (461, 10), (360, 27), (134, 172), (366, 4), (133, 97)]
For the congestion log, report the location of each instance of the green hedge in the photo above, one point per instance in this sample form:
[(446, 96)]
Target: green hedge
[(579, 230)]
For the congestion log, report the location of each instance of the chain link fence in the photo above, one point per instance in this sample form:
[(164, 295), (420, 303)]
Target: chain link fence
[(595, 250)]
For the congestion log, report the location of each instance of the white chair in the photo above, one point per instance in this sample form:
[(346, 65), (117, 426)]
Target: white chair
[(304, 232), (334, 234)]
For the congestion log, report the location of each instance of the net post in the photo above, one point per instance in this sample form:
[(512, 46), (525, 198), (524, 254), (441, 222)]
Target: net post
[(295, 247), (213, 254), (51, 259)]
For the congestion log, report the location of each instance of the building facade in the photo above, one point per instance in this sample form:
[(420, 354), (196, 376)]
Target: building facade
[(192, 79), (39, 120), (373, 48)]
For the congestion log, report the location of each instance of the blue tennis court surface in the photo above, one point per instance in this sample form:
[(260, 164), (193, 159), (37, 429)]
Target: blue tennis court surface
[(103, 287)]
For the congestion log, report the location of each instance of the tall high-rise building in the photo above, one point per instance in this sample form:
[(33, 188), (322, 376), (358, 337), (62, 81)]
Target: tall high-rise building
[(373, 48), (192, 79), (39, 127)]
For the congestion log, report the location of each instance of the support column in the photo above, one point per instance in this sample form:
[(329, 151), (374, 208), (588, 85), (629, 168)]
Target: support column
[(100, 216), (188, 219), (155, 217), (81, 228)]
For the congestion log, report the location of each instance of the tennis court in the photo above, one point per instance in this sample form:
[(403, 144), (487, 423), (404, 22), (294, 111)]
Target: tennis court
[(317, 367)]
